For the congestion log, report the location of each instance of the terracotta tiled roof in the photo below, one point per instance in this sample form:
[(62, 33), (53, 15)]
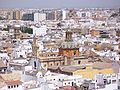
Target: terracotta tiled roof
[(13, 82), (4, 82), (11, 76)]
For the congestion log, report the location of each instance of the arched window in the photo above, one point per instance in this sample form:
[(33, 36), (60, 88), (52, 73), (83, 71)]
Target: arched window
[(63, 63), (51, 64), (79, 62), (8, 87), (35, 65), (72, 84), (74, 52), (21, 56)]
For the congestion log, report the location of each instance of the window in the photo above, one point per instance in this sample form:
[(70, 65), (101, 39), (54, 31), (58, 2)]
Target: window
[(118, 87), (79, 62), (74, 52), (83, 14), (35, 65), (105, 81), (63, 63), (21, 56), (8, 87), (51, 64), (109, 82), (72, 84), (17, 85), (113, 81), (14, 86), (57, 64), (11, 86)]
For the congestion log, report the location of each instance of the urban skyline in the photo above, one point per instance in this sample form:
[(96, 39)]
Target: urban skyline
[(59, 3), (59, 45)]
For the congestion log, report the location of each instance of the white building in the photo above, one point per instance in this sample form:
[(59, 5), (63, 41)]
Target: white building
[(12, 86), (39, 17), (110, 81), (39, 30), (63, 14)]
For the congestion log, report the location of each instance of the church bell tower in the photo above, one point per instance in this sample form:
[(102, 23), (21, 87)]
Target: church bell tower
[(35, 47)]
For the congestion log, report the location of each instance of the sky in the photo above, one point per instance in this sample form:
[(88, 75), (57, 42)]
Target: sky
[(59, 3)]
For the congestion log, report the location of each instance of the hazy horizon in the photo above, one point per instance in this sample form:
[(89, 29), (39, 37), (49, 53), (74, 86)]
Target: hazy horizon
[(59, 3)]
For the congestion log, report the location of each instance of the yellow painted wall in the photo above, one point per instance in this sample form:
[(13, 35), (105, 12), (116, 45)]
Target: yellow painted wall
[(70, 53), (90, 73)]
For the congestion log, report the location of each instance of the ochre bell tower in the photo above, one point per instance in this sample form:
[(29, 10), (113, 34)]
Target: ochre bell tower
[(69, 48), (35, 47)]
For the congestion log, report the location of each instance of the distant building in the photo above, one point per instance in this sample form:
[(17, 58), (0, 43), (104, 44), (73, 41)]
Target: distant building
[(39, 30), (28, 17), (10, 15), (50, 15), (39, 17), (58, 15), (15, 15), (64, 13), (71, 14), (84, 14), (17, 32)]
